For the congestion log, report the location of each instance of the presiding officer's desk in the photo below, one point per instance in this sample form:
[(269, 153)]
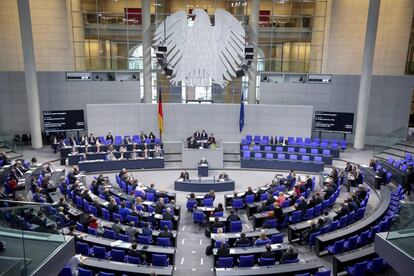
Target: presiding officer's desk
[(297, 165), (280, 269), (334, 151), (125, 268), (115, 165), (252, 250), (204, 185), (342, 261), (365, 223), (294, 230), (232, 237), (108, 243)]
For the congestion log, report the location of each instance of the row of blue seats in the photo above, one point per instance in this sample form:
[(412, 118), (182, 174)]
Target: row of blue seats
[(249, 261), (257, 139), (279, 149), (66, 271), (282, 156), (402, 164)]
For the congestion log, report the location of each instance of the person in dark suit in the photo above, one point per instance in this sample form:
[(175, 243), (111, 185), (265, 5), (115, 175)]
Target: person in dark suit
[(142, 136), (127, 140), (219, 208), (203, 161), (112, 206), (151, 136), (165, 233), (223, 176), (334, 175), (72, 141), (242, 241), (308, 182), (185, 176), (268, 254), (204, 135), (109, 137), (91, 139), (249, 191), (278, 212), (216, 224), (72, 175), (168, 215), (290, 255), (359, 178), (270, 200), (146, 230), (133, 252), (301, 205), (315, 200), (98, 207), (159, 206), (233, 216), (223, 251), (348, 167), (342, 211), (315, 226), (361, 193)]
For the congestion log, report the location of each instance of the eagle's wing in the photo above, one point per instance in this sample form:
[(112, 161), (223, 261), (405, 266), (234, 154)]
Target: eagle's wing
[(229, 36), (172, 32)]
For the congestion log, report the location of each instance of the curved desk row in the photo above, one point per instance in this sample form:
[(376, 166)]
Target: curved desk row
[(397, 174), (364, 224), (129, 269), (327, 159), (342, 261), (108, 243), (112, 165), (204, 185), (298, 165), (74, 159), (282, 269)]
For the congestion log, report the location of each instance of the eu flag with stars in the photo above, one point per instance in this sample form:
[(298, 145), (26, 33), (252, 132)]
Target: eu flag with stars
[(241, 118)]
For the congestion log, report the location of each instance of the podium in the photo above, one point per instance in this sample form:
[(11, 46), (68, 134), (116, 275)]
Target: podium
[(202, 170)]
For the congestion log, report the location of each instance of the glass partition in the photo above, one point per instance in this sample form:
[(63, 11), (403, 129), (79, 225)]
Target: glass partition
[(30, 232)]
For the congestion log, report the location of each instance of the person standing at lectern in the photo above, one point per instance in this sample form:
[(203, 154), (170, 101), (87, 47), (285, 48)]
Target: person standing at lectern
[(203, 161)]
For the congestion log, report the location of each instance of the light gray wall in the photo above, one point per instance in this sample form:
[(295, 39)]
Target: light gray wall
[(181, 120), (389, 106), (57, 94)]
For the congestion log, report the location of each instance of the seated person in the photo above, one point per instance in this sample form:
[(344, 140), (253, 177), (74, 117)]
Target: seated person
[(134, 155), (142, 136), (334, 175), (220, 237), (146, 230), (233, 216), (301, 205), (223, 251), (109, 137), (210, 194), (158, 151), (242, 241), (168, 215), (348, 167), (72, 174), (203, 135), (127, 140), (342, 211), (281, 198), (159, 206), (133, 252), (361, 192), (165, 233), (291, 254), (151, 136), (278, 212), (372, 164), (308, 182), (315, 226), (315, 200), (216, 225), (223, 176), (359, 178), (249, 191), (211, 142), (185, 176), (91, 139), (203, 161), (219, 208), (262, 240), (268, 254)]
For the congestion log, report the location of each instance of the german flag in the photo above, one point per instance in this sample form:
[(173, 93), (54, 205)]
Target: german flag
[(160, 115)]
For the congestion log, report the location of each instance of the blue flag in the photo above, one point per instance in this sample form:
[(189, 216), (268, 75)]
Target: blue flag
[(241, 118)]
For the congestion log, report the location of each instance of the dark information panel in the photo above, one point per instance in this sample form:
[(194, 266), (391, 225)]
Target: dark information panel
[(334, 122), (64, 120)]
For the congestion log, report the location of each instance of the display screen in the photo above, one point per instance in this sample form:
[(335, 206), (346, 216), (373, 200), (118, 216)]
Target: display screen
[(334, 122), (64, 120)]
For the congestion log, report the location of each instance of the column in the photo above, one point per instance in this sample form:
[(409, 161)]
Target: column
[(108, 55), (30, 73), (366, 73), (146, 49), (77, 29), (254, 38)]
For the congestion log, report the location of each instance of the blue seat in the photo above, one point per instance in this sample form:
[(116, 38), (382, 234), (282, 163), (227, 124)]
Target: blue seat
[(314, 151), (312, 239), (150, 197), (100, 252), (79, 202), (124, 238), (109, 234), (118, 255), (199, 217), (208, 202), (363, 239), (290, 261), (261, 242), (235, 226), (258, 155), (132, 218), (351, 243), (105, 214), (293, 157), (218, 214), (245, 148), (281, 156), (277, 238), (290, 149), (190, 204), (359, 269), (79, 227), (309, 214), (256, 148), (225, 262), (93, 210), (269, 156), (268, 148), (246, 154), (318, 159), (337, 247), (133, 260), (159, 260), (376, 265), (317, 210), (84, 272), (359, 213), (249, 199), (343, 221), (279, 149), (326, 152), (334, 225), (246, 261), (116, 216), (270, 223), (164, 223), (305, 158), (82, 248), (106, 274), (144, 240), (323, 273), (66, 270), (267, 261), (92, 231), (237, 203), (302, 150), (163, 241), (296, 216)]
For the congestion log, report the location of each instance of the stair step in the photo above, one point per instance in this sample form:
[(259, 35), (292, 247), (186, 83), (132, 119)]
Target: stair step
[(395, 152)]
